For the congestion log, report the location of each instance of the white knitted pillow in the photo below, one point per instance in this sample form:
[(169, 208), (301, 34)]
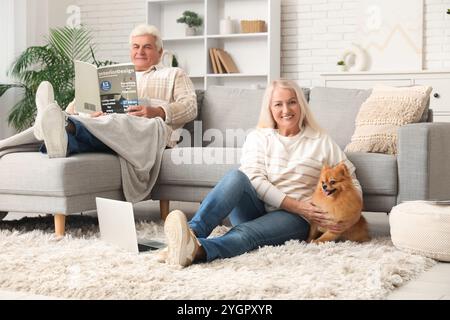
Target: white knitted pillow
[(380, 116)]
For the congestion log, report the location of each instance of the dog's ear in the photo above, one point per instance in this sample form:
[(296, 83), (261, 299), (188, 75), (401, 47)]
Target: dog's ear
[(343, 168), (325, 167)]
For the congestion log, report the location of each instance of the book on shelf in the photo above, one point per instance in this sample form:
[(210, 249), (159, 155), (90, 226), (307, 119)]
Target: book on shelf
[(221, 61), (109, 89), (213, 60), (219, 65), (227, 61)]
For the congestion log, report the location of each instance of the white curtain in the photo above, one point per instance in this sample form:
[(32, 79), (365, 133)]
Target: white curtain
[(23, 23)]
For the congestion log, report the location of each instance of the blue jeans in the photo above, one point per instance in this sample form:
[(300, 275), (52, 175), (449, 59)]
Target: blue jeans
[(253, 227), (82, 141)]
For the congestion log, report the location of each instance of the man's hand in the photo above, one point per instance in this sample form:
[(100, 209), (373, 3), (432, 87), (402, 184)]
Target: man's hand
[(147, 112), (97, 114)]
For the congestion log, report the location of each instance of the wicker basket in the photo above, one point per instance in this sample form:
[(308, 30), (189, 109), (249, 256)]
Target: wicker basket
[(251, 26)]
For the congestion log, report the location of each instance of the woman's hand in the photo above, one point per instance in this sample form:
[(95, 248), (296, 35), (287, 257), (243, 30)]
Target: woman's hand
[(314, 214), (307, 210)]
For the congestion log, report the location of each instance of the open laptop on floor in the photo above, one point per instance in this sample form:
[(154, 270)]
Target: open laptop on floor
[(116, 223)]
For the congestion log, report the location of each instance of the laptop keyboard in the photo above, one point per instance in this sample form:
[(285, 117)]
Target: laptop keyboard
[(143, 248)]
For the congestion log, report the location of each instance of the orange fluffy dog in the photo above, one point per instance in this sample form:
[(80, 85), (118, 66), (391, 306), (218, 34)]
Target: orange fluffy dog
[(336, 194)]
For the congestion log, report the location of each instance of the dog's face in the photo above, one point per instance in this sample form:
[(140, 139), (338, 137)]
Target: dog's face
[(333, 180)]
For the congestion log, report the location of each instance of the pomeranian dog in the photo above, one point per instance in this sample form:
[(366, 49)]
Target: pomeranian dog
[(336, 194)]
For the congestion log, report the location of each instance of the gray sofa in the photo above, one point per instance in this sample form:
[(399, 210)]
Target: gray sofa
[(31, 182)]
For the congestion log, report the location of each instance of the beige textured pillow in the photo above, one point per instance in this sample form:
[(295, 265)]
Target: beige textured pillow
[(380, 116)]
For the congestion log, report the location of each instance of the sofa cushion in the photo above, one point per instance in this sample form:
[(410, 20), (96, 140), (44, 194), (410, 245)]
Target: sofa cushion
[(33, 173), (376, 172), (204, 167), (335, 110), (190, 125), (230, 108), (380, 116), (197, 166)]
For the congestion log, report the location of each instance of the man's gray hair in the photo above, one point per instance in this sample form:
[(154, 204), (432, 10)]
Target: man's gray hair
[(146, 29)]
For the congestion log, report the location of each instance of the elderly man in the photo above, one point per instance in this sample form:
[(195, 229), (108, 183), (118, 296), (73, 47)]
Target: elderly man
[(169, 93)]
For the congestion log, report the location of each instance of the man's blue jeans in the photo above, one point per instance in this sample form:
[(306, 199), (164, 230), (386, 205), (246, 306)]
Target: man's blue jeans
[(253, 227), (82, 141)]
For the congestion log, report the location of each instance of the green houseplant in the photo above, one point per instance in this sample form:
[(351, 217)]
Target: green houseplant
[(52, 62), (192, 20), (341, 65)]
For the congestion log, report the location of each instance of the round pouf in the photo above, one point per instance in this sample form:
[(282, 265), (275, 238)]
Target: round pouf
[(421, 228)]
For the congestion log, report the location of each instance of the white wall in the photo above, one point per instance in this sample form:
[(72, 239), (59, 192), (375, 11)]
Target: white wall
[(13, 31), (23, 23), (314, 32), (111, 22), (57, 15)]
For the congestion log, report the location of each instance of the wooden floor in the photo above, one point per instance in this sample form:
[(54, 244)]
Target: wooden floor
[(431, 285)]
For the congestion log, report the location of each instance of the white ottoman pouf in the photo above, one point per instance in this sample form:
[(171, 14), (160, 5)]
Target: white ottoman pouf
[(422, 228)]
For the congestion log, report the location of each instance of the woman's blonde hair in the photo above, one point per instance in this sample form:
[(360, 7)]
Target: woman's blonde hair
[(144, 30), (306, 118)]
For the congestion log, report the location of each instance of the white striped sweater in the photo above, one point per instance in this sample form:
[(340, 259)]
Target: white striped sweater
[(280, 166)]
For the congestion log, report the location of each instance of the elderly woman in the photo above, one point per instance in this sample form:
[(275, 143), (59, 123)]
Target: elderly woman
[(268, 199)]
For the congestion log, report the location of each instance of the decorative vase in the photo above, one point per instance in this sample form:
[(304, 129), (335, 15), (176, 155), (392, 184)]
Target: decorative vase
[(167, 58), (355, 58), (191, 31), (341, 68), (226, 26)]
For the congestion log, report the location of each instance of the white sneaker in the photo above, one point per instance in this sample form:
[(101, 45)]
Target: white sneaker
[(44, 97), (182, 244), (53, 128)]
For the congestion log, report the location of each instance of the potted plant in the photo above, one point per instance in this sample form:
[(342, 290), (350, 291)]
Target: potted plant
[(341, 65), (192, 20), (52, 62)]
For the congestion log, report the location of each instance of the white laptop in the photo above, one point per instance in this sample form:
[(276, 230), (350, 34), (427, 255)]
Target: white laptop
[(116, 223)]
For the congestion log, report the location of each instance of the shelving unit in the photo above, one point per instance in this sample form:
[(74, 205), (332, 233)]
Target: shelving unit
[(257, 55)]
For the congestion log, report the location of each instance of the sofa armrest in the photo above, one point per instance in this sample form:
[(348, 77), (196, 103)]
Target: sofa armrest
[(424, 161)]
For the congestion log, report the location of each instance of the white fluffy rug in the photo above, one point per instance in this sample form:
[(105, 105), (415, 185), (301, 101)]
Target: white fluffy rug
[(80, 266)]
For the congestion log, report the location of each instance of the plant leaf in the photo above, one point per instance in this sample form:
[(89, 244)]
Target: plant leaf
[(6, 87), (52, 62)]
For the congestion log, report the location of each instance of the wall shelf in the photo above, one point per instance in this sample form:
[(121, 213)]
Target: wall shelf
[(238, 35), (193, 38), (256, 55), (231, 75)]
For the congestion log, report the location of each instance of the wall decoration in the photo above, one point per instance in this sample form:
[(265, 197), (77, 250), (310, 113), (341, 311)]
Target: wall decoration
[(391, 32), (354, 58)]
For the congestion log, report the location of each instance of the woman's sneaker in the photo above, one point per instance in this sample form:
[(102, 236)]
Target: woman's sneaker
[(182, 244)]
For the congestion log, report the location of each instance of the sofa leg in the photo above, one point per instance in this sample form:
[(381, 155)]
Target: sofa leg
[(60, 224), (164, 208)]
